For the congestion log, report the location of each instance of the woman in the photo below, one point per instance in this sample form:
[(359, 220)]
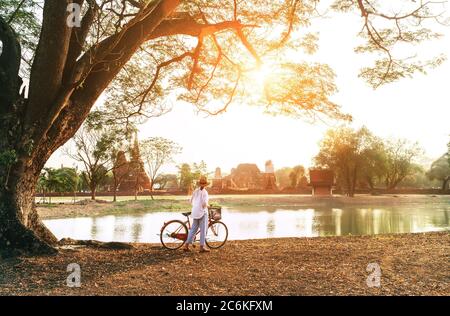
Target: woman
[(199, 201)]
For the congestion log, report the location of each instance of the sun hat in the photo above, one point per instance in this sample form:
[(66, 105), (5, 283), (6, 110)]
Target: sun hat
[(203, 181)]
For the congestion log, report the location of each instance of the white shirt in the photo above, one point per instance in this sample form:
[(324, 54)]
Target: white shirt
[(199, 202)]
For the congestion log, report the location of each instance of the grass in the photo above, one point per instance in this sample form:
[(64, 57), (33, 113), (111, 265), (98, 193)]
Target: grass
[(90, 208)]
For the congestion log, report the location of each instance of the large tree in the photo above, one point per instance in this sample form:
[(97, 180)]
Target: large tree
[(200, 49), (157, 152)]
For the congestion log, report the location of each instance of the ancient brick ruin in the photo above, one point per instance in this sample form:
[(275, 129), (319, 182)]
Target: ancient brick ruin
[(246, 177), (131, 173)]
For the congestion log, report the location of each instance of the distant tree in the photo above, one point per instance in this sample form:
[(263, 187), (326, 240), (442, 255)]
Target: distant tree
[(188, 174), (297, 176), (107, 182), (373, 170), (164, 180), (400, 157), (48, 182), (199, 169), (282, 176), (156, 152), (70, 179), (440, 170), (186, 177), (346, 151), (58, 180), (419, 179), (52, 181), (94, 148)]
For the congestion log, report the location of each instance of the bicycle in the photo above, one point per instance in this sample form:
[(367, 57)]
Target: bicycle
[(174, 233)]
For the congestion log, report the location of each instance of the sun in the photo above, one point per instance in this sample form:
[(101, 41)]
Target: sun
[(261, 75)]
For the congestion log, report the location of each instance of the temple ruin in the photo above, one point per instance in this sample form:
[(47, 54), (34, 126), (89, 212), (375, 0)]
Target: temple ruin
[(246, 177), (131, 174)]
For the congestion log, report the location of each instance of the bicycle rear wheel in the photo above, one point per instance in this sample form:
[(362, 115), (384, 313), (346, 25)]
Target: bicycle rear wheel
[(173, 234), (217, 234)]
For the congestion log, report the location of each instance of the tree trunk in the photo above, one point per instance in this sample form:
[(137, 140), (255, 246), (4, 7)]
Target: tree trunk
[(33, 129), (347, 181), (394, 183), (370, 183), (115, 185), (444, 183), (353, 185), (93, 188), (151, 189), (21, 230)]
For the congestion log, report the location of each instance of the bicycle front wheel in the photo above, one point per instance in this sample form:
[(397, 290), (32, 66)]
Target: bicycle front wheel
[(173, 234), (216, 235)]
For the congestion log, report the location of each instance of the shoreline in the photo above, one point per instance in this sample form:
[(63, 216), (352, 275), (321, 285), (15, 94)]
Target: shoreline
[(411, 264), (179, 204)]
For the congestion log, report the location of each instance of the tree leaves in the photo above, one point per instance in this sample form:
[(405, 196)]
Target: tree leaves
[(391, 28), (23, 18)]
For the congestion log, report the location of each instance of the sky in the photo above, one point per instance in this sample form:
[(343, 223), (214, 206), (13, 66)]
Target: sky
[(417, 109)]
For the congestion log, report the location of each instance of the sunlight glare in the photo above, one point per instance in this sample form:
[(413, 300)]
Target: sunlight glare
[(259, 77)]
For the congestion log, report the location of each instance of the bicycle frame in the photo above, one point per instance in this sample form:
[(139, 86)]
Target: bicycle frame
[(181, 231), (188, 224)]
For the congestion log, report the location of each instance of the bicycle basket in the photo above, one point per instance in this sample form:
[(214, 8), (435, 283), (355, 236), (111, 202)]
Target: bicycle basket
[(215, 213)]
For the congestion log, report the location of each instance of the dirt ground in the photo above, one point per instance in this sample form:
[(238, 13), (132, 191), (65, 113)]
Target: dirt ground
[(411, 264)]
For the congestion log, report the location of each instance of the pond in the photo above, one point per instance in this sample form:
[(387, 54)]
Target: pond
[(254, 223)]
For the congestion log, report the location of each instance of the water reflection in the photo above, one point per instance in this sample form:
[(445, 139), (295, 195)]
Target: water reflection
[(264, 223)]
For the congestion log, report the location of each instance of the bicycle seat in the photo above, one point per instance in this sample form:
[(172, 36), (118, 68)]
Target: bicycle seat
[(186, 213)]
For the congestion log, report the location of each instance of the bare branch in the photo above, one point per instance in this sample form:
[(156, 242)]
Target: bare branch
[(155, 77), (381, 41), (230, 99)]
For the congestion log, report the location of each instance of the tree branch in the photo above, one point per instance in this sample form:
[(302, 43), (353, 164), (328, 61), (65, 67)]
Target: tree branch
[(230, 99), (9, 66), (66, 119), (188, 26), (13, 15), (78, 38), (156, 76), (46, 72)]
